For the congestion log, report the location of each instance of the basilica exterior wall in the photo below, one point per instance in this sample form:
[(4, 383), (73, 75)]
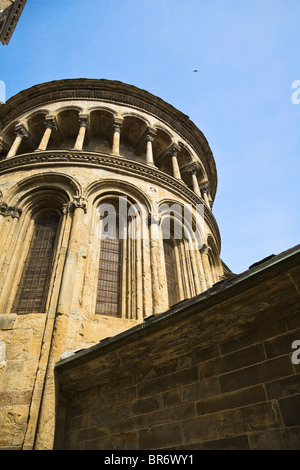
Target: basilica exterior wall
[(68, 150)]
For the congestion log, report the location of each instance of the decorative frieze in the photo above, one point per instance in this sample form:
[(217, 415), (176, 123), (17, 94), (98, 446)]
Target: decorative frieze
[(112, 162)]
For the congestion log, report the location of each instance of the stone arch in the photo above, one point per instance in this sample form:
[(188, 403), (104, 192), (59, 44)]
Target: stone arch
[(132, 114), (161, 144), (35, 196), (67, 119), (9, 135), (190, 220), (179, 235), (107, 109), (100, 130), (20, 194), (132, 143), (124, 211), (211, 243), (120, 187), (36, 126)]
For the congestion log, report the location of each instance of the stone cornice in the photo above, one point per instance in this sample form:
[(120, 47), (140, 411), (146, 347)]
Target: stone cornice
[(106, 161), (113, 92), (11, 15)]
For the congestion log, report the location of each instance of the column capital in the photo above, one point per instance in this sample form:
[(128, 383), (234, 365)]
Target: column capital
[(150, 134), (205, 187), (10, 211), (192, 169), (154, 219), (175, 150), (83, 120), (117, 125), (78, 202), (50, 122), (21, 131)]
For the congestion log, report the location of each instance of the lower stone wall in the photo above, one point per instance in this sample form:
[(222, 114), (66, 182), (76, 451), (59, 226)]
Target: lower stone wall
[(26, 398), (215, 372), (20, 342)]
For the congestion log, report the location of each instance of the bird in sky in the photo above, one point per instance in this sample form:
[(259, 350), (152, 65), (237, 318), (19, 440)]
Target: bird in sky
[(195, 71)]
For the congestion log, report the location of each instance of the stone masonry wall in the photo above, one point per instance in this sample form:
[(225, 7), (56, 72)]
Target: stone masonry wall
[(24, 348), (21, 338), (217, 374)]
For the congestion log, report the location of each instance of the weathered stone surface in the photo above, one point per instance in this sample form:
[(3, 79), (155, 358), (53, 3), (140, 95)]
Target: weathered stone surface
[(230, 399), (210, 371)]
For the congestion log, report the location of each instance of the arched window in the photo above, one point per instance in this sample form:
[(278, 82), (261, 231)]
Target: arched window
[(110, 271), (32, 292), (122, 262), (171, 271)]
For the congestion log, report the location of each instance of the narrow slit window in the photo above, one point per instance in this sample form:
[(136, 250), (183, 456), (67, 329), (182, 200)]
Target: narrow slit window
[(32, 292)]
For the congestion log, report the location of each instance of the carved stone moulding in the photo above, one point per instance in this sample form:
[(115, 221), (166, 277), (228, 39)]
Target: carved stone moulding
[(9, 211), (108, 162)]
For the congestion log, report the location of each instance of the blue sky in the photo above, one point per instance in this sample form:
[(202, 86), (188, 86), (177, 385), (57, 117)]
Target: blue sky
[(247, 54)]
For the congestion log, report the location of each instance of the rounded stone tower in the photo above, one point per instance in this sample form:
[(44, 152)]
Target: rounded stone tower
[(106, 194)]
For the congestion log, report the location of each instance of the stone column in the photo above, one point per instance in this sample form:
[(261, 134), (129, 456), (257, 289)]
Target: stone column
[(149, 150), (83, 124), (205, 192), (158, 273), (21, 132), (78, 208), (174, 154), (116, 136), (50, 126), (195, 268), (195, 182)]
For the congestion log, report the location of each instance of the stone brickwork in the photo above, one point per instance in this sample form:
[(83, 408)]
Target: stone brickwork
[(22, 338), (24, 347), (213, 373), (66, 149)]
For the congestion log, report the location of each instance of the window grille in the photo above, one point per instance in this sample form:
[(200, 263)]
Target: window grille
[(170, 262), (109, 279), (33, 288)]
